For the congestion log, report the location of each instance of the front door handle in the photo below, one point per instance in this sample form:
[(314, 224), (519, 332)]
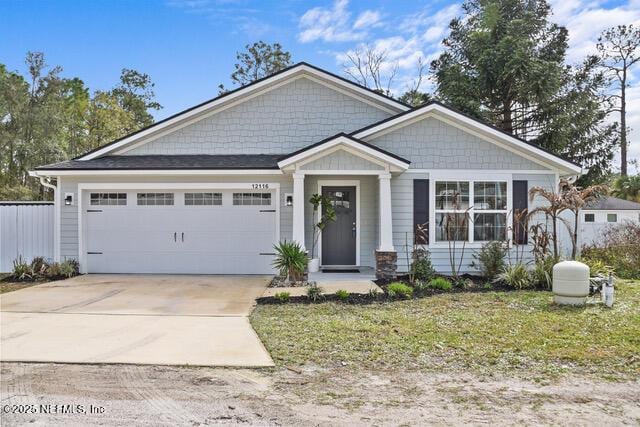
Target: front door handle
[(183, 236), (175, 236), (353, 228)]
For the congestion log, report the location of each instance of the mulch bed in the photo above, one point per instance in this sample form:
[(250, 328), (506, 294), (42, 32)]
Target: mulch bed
[(365, 299)]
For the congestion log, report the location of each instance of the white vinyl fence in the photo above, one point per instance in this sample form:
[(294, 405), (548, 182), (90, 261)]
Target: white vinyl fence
[(26, 229)]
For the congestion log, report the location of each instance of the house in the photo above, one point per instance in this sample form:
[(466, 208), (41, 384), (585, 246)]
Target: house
[(602, 213), (213, 188)]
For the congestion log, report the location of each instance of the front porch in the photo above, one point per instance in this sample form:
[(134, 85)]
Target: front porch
[(356, 178)]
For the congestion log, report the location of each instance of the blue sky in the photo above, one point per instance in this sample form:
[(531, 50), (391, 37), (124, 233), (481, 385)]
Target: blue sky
[(188, 46)]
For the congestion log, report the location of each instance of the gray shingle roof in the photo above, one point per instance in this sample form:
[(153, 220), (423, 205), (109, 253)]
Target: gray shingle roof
[(221, 161), (612, 204)]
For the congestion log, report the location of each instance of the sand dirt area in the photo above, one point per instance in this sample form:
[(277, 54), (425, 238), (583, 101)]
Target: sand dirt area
[(126, 395)]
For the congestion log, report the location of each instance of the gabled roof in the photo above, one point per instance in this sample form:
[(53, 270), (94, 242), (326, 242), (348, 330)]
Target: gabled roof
[(608, 203), (345, 140), (492, 133), (301, 68), (170, 162)]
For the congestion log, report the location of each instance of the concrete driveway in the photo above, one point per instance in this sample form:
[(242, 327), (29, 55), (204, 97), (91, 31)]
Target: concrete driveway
[(145, 319)]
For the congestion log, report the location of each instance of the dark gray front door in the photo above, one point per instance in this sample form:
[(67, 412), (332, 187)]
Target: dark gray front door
[(339, 236)]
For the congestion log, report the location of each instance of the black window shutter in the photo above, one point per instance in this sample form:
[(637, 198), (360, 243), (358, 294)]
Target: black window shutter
[(520, 208), (421, 210)]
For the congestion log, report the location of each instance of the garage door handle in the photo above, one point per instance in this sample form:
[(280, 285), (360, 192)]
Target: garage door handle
[(183, 236), (175, 236)]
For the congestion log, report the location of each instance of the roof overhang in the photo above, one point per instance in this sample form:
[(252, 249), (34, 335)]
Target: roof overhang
[(371, 153), (160, 172), (475, 127), (234, 97)]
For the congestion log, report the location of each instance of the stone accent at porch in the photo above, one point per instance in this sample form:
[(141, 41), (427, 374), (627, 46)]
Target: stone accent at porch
[(386, 265)]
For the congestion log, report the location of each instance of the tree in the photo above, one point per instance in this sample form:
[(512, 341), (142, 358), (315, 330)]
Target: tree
[(45, 118), (618, 53), (574, 123), (259, 60), (135, 94), (501, 60), (627, 187), (504, 62), (369, 67), (107, 120), (415, 98)]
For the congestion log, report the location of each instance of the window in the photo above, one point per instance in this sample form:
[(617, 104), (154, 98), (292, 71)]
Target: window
[(470, 210), (589, 217), (155, 199), (251, 199), (108, 199), (203, 199), (490, 211), (612, 217), (452, 202)]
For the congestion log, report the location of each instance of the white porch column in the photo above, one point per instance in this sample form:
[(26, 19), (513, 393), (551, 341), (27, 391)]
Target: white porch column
[(298, 208), (386, 225)]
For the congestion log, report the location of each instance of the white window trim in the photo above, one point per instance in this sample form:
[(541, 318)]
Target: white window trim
[(343, 183), (84, 187), (471, 178)]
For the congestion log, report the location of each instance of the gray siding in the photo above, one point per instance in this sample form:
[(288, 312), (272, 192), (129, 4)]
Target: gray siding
[(402, 200), (433, 144), (283, 120), (341, 160), (69, 214), (368, 213)]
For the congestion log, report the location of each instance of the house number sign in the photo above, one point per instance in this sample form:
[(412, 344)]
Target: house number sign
[(260, 186)]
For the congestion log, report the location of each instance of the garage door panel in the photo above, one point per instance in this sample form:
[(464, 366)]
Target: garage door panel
[(217, 239)]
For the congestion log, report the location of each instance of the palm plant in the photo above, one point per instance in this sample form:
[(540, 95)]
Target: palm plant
[(291, 260), (575, 199), (552, 210), (567, 198), (627, 187)]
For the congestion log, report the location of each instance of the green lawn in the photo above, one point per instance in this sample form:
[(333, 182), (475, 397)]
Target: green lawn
[(489, 332)]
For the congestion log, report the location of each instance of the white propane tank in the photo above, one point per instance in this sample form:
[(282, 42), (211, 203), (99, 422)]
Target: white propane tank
[(570, 283)]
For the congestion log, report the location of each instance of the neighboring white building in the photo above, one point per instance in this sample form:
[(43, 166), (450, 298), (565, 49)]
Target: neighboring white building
[(604, 212)]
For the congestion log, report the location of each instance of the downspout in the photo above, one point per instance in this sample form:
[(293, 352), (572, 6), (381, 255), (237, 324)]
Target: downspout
[(45, 181)]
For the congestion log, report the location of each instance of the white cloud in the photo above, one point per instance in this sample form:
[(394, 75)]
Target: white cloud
[(367, 19), (331, 25), (418, 39)]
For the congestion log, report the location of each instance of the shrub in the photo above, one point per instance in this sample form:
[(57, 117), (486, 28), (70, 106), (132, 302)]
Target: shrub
[(38, 267), (21, 270), (291, 260), (596, 267), (54, 271), (542, 273), (399, 290), (374, 292), (421, 267), (342, 294), (515, 276), (314, 293), (490, 260), (69, 268), (440, 283), (618, 248), (282, 297), (420, 287)]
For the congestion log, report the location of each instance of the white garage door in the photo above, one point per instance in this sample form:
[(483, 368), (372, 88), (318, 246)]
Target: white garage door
[(182, 232)]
